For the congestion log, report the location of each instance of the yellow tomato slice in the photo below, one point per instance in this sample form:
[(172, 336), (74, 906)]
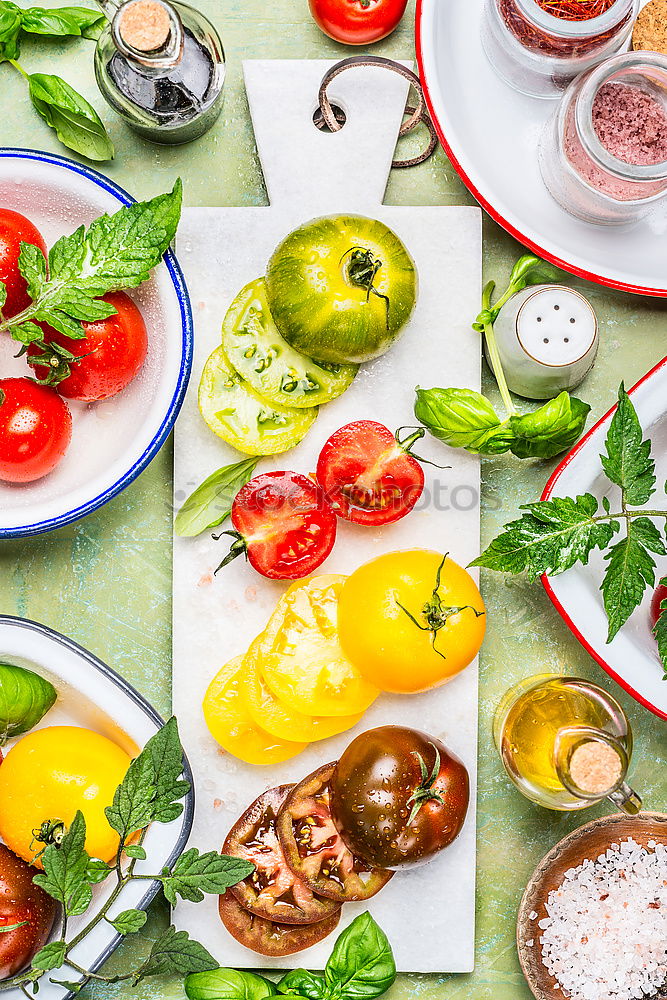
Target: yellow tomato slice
[(231, 725), (302, 661), (275, 717)]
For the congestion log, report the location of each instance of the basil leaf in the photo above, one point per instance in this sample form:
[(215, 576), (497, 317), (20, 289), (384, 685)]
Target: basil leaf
[(628, 461), (660, 631), (463, 418), (62, 21), (211, 503), (362, 962), (228, 984), (10, 29), (550, 537), (303, 984), (630, 570), (25, 698), (530, 270), (175, 952), (551, 429), (75, 121)]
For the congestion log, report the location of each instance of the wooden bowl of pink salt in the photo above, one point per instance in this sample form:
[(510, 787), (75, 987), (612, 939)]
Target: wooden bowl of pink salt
[(592, 924)]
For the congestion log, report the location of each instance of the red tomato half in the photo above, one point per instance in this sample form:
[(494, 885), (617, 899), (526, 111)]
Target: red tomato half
[(14, 230), (112, 353), (367, 476), (357, 22), (35, 430), (283, 525)]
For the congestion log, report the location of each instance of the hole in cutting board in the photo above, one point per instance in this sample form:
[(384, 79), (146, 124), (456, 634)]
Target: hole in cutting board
[(319, 122)]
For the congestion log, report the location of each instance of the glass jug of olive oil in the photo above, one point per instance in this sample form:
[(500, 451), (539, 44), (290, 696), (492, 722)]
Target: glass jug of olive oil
[(565, 743)]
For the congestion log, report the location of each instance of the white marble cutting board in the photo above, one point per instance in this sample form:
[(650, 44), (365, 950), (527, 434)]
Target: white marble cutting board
[(427, 914)]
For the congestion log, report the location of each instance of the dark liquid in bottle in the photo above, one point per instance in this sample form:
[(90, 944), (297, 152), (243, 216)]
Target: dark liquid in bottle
[(173, 94)]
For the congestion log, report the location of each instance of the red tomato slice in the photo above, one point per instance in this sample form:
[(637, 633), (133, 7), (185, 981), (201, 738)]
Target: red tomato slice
[(357, 22), (35, 430), (315, 850), (268, 938), (273, 891), (283, 525), (14, 230), (367, 476), (109, 356)]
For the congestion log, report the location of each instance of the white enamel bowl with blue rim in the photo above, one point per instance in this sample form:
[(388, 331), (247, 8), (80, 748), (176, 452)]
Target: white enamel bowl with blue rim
[(112, 441), (93, 696)]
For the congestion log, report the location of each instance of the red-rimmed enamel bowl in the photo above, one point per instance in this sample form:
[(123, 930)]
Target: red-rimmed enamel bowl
[(490, 133), (632, 658)]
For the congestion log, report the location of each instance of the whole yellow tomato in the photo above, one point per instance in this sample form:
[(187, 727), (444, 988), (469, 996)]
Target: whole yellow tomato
[(410, 620), (50, 774)]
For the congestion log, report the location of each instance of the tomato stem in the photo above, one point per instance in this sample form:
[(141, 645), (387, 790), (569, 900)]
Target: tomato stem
[(362, 268), (425, 791), (238, 547), (407, 443)]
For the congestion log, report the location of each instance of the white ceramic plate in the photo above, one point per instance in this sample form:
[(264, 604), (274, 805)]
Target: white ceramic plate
[(632, 658), (85, 684), (113, 441), (490, 133)]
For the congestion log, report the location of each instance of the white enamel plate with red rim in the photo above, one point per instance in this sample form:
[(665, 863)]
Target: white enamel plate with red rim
[(632, 658), (490, 133)]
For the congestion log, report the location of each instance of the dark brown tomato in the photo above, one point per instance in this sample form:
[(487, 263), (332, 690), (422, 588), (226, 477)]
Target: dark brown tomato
[(21, 902), (398, 796), (265, 937), (273, 891), (315, 850)]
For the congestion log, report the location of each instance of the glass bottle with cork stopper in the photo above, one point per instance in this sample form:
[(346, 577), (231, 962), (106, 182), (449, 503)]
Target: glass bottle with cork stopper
[(565, 743), (161, 66)]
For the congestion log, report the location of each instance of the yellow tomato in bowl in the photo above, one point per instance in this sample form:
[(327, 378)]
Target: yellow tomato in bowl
[(48, 776), (410, 620)]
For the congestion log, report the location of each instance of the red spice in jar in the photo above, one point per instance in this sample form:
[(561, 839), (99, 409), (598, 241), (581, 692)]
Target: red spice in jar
[(538, 40), (575, 10), (631, 124)]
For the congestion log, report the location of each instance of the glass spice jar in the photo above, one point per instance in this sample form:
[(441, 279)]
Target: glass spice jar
[(539, 54), (617, 109)]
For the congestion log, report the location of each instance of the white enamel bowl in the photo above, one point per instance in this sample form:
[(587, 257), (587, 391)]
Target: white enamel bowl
[(632, 658), (490, 133), (113, 441), (93, 696)]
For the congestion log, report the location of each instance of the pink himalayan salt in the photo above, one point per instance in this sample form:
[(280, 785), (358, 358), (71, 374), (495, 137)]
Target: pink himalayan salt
[(630, 124)]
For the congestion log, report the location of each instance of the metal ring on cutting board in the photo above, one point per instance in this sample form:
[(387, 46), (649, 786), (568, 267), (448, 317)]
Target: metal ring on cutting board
[(417, 115)]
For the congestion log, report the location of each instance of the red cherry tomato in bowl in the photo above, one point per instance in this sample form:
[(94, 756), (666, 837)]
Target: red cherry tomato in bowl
[(27, 914), (283, 525), (35, 430), (659, 595), (357, 22), (14, 230), (108, 357), (367, 475)]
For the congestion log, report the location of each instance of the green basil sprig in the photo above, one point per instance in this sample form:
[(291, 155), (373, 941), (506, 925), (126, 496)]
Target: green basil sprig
[(211, 503), (463, 418), (25, 698), (361, 967), (552, 536), (75, 121)]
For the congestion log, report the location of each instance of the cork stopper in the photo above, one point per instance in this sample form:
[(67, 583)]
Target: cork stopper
[(650, 31), (144, 25), (595, 768)]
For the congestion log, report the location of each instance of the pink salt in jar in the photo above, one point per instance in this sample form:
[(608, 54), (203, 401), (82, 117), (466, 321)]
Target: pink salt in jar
[(603, 154)]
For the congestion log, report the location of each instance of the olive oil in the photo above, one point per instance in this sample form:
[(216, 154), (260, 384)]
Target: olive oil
[(565, 743)]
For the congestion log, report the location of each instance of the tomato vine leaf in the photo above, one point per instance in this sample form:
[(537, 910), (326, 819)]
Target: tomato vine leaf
[(175, 952), (66, 865), (628, 461), (630, 570), (195, 874)]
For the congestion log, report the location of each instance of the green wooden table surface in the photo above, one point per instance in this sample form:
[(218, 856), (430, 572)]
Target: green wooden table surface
[(106, 581)]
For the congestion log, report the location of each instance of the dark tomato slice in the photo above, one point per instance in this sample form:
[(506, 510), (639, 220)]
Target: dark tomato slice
[(15, 229), (367, 476), (315, 850), (111, 354), (268, 938), (283, 524), (35, 430), (273, 891)]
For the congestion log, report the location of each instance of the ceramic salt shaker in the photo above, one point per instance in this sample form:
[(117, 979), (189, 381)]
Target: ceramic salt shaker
[(547, 338)]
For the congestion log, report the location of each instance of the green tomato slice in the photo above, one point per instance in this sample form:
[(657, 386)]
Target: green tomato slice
[(341, 288), (267, 362), (241, 417)]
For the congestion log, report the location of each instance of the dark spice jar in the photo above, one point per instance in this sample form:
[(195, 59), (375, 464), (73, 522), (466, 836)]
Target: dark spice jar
[(539, 48)]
